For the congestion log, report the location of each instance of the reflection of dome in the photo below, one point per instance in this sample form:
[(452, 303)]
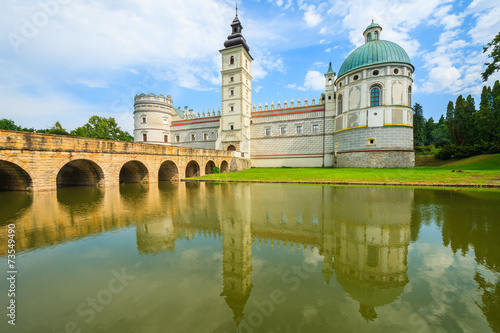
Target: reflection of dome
[(370, 294), (372, 53)]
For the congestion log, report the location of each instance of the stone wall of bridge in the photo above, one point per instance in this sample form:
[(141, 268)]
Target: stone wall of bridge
[(44, 161)]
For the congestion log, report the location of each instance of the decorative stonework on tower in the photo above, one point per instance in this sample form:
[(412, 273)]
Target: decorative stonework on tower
[(236, 92)]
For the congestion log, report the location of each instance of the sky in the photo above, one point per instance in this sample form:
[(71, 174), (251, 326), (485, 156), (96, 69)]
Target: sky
[(66, 60)]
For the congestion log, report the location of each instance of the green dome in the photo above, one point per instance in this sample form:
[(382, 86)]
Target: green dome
[(372, 53)]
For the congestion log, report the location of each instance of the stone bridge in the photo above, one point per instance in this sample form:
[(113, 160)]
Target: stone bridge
[(40, 162)]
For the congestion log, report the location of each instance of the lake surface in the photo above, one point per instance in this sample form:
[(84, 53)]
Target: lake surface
[(196, 257)]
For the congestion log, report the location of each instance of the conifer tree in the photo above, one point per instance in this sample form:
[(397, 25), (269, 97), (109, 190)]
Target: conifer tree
[(418, 125)]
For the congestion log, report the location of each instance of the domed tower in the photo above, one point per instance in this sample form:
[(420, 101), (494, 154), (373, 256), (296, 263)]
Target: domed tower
[(152, 118), (374, 116)]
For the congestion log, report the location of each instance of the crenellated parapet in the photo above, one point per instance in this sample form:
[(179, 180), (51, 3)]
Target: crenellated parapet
[(153, 98), (197, 115), (287, 105)]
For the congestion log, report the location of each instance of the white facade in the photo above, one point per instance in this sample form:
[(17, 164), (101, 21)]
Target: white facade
[(363, 119)]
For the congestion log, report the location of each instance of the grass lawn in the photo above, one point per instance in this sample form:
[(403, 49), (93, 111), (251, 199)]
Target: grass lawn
[(477, 170)]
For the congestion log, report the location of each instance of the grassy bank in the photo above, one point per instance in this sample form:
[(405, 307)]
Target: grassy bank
[(481, 170)]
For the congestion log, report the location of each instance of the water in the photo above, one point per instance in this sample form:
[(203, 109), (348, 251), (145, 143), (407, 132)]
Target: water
[(194, 257)]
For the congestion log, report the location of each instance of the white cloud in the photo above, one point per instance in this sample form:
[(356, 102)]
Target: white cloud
[(312, 17), (265, 62), (313, 80)]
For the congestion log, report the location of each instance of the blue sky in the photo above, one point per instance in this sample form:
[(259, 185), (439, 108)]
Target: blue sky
[(66, 60)]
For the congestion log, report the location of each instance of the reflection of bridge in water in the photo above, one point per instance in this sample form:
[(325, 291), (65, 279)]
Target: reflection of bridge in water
[(362, 234)]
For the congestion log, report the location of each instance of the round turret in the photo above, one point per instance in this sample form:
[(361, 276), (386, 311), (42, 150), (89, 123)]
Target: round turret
[(374, 115), (152, 118)]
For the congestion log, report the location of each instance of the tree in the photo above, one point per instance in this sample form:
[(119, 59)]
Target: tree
[(8, 124), (428, 128), (102, 128), (494, 65), (450, 122), (57, 129), (418, 125)]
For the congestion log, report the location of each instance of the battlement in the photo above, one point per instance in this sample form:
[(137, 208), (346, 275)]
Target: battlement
[(285, 104), (190, 114), (153, 98)]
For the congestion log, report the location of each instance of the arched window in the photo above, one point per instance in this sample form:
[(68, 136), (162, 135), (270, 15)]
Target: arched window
[(340, 104), (375, 35), (231, 60), (369, 37), (375, 96), (409, 95)]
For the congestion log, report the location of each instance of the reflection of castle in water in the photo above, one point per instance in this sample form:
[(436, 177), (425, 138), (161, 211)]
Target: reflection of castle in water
[(362, 233)]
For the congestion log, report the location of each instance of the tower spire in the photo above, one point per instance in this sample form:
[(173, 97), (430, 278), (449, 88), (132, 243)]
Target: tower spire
[(236, 8)]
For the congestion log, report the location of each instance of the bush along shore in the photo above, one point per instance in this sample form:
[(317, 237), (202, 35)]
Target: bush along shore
[(477, 171)]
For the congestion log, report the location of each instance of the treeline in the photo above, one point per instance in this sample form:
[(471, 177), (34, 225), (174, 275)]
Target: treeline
[(427, 133), (97, 128), (465, 131)]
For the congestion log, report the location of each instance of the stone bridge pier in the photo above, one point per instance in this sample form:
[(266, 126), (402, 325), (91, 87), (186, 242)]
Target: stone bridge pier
[(42, 162)]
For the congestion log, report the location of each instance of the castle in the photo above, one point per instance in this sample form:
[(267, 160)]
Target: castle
[(363, 119)]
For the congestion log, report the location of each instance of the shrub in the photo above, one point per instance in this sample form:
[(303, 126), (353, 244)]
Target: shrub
[(424, 150), (454, 151), (215, 170)]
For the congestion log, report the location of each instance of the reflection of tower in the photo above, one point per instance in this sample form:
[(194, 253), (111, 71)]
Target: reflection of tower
[(236, 258), (371, 245)]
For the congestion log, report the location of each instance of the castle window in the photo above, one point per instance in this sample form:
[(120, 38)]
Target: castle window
[(165, 138), (283, 131), (268, 132), (232, 108), (340, 104), (143, 120), (329, 97), (409, 95), (177, 138), (369, 37), (231, 127), (396, 71), (375, 72), (329, 81), (375, 35), (232, 92), (356, 77), (205, 136), (231, 60), (315, 128), (193, 137), (144, 137), (299, 130), (231, 78), (375, 96)]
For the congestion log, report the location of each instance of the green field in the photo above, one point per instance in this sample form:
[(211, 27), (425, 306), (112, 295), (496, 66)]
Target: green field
[(481, 170)]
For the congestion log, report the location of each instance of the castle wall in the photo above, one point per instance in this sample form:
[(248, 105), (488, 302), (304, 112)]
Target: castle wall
[(205, 131), (292, 149), (387, 137)]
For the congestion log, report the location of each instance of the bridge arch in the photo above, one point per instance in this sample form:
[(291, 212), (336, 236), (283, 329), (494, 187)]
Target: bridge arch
[(209, 167), (168, 171), (13, 177), (192, 169), (224, 166), (134, 172), (80, 172)]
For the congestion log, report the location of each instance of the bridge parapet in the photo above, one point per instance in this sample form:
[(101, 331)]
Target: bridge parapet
[(36, 161)]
